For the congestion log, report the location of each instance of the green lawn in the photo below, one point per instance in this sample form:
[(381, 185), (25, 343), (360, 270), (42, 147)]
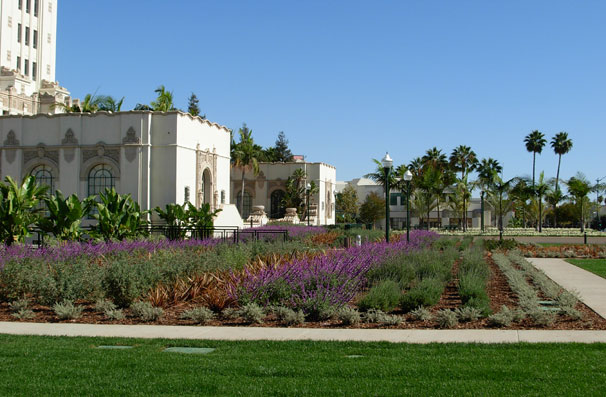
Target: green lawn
[(597, 266), (74, 366)]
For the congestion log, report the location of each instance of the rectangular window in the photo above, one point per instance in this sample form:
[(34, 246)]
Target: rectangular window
[(50, 6), (393, 198), (35, 39), (26, 67), (34, 72), (48, 38), (19, 33), (35, 8), (10, 22), (27, 35), (19, 3), (48, 69), (27, 4), (18, 63), (8, 55)]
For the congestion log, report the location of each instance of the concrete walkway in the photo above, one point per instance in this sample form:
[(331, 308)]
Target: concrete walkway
[(283, 334), (592, 288)]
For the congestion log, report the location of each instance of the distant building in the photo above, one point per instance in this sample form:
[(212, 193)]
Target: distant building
[(397, 207), (28, 31), (269, 186)]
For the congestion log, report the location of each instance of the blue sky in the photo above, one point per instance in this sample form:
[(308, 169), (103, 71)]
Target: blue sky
[(349, 80)]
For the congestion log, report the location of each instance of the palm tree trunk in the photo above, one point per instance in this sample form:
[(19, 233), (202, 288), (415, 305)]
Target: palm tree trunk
[(558, 172), (540, 214), (534, 156)]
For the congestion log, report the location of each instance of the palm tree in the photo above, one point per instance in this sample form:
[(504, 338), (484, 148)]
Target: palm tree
[(465, 160), (554, 197), (539, 190), (561, 144), (488, 171), (520, 193), (579, 187), (499, 194), (164, 101), (380, 177), (535, 141), (435, 157), (109, 103), (245, 156), (415, 166)]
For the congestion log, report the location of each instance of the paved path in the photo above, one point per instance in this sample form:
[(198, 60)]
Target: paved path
[(282, 334), (551, 239), (592, 288)]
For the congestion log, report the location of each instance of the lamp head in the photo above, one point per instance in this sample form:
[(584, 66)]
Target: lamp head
[(387, 161), (408, 176)]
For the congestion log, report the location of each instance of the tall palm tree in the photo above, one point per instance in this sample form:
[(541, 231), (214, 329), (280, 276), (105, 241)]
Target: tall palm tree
[(465, 160), (540, 189), (561, 144), (380, 177), (435, 157), (415, 166), (164, 101), (579, 187), (520, 193), (535, 141), (245, 155), (554, 197), (499, 194), (488, 171), (109, 103)]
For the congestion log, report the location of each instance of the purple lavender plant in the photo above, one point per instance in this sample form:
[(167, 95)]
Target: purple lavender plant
[(317, 283)]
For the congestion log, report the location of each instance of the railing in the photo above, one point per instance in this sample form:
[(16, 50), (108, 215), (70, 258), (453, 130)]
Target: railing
[(226, 233)]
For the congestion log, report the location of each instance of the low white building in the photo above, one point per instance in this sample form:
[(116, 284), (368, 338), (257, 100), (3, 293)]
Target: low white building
[(269, 186), (158, 158), (397, 207)]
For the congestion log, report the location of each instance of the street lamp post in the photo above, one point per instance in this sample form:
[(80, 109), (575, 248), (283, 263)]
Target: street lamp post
[(387, 163), (308, 189), (482, 210), (407, 179)]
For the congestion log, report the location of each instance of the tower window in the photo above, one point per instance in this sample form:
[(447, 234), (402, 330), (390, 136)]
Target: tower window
[(18, 63), (26, 67), (34, 71), (10, 22), (48, 38), (18, 33), (48, 69), (50, 6), (27, 35), (27, 4), (35, 8), (19, 3), (8, 55), (35, 39)]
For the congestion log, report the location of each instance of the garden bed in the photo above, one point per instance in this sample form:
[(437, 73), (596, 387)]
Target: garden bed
[(427, 283)]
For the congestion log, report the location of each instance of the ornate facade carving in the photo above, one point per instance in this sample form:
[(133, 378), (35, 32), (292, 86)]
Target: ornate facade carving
[(41, 152), (101, 151), (70, 138), (11, 139), (131, 137), (205, 159)]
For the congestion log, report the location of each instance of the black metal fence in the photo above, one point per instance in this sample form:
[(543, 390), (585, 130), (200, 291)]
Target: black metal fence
[(226, 234)]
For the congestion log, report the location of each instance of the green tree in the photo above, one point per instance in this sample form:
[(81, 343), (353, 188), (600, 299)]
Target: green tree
[(19, 208), (498, 195), (553, 198), (380, 177), (535, 141), (541, 189), (201, 219), (463, 160), (372, 209), (561, 144), (64, 215), (579, 188), (164, 101), (245, 156), (435, 157), (176, 218), (295, 195), (283, 153), (347, 204), (192, 106), (109, 103)]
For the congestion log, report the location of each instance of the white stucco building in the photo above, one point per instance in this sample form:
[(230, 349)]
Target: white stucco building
[(268, 188), (28, 31), (158, 158), (397, 207)]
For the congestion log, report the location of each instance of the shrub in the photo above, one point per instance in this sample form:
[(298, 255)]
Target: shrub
[(392, 320), (104, 305), (199, 315), (349, 316), (19, 305), (446, 319), (421, 314), (542, 317), (505, 244), (114, 314), (24, 314), (67, 310), (145, 311), (503, 318), (426, 293), (379, 317), (288, 316), (468, 313), (383, 296), (252, 313)]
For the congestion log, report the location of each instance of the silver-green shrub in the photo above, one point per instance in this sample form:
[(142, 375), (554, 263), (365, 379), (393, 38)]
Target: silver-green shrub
[(252, 313), (104, 305), (24, 314), (503, 318), (288, 316), (349, 316), (446, 318), (145, 311), (114, 314), (468, 313), (422, 314), (19, 305), (67, 310), (199, 315)]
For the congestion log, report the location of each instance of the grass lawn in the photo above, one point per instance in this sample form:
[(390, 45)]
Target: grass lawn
[(74, 366), (597, 266)]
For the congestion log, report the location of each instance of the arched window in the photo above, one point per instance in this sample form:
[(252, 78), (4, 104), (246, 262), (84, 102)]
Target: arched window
[(247, 203), (277, 209), (99, 178), (44, 177)]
